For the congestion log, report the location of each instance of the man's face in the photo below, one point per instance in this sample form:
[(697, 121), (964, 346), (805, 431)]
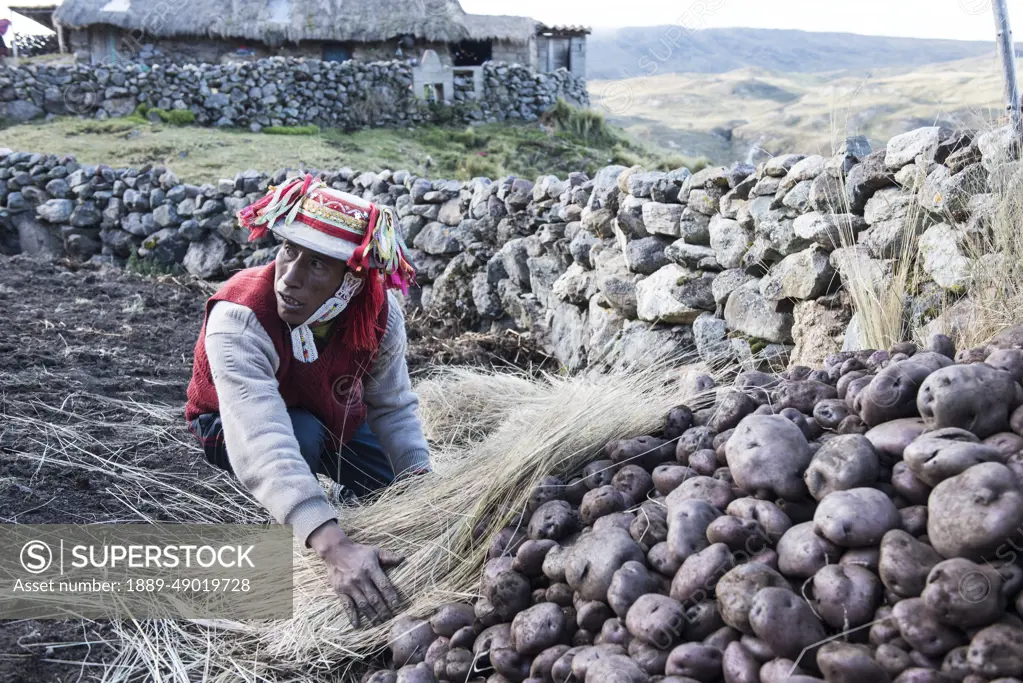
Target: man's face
[(303, 281)]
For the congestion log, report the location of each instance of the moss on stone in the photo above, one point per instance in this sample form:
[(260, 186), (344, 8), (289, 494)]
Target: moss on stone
[(292, 130)]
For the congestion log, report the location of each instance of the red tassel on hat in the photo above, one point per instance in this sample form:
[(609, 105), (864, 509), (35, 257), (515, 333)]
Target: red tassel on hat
[(361, 321), (360, 258)]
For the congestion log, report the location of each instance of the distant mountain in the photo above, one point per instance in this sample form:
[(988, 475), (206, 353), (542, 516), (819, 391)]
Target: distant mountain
[(656, 50)]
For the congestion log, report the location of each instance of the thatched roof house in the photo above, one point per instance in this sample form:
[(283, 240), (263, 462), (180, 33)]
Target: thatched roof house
[(211, 30)]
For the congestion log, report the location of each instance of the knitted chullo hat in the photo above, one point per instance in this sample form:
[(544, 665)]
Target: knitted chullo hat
[(346, 227)]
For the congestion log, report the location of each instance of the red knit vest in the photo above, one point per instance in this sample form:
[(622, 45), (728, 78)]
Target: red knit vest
[(330, 388)]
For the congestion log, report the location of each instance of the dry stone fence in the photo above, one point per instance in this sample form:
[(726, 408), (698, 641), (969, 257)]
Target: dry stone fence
[(616, 269), (277, 91)]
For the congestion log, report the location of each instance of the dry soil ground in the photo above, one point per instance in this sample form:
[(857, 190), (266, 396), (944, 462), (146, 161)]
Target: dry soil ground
[(93, 369)]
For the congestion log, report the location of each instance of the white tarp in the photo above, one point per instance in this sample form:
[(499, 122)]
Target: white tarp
[(21, 25)]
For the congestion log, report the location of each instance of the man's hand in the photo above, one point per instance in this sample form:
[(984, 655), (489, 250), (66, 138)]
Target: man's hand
[(357, 574)]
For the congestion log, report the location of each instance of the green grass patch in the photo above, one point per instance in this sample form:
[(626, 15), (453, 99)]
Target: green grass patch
[(150, 267), (292, 130), (199, 154), (587, 125), (175, 117)]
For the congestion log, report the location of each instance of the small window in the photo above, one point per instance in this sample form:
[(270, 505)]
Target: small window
[(471, 52), (336, 52)]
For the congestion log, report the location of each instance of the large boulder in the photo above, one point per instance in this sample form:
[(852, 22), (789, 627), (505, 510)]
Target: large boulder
[(818, 330), (674, 295), (21, 110), (779, 166), (998, 147), (662, 219), (36, 237), (81, 247), (729, 240), (452, 294), (620, 292), (56, 210), (604, 327), (544, 271), (204, 258), (798, 198), (866, 178), (888, 204), (569, 335), (922, 142), (827, 194), (753, 315), (630, 222), (856, 263), (692, 256), (646, 255), (777, 231), (640, 344), (804, 275), (950, 195), (166, 216), (803, 170), (895, 221), (605, 192), (119, 107), (86, 215), (514, 257), (706, 201), (726, 282), (166, 246), (437, 238), (575, 286), (450, 213), (943, 258), (694, 227), (831, 231), (711, 336)]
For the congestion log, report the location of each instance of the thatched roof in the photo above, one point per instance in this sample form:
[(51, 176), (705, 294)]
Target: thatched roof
[(274, 21), (15, 5), (504, 27)]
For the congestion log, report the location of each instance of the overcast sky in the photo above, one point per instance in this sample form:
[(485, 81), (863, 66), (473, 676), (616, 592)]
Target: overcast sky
[(956, 19)]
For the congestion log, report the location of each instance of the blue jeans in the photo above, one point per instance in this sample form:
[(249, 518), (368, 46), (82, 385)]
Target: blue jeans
[(360, 465)]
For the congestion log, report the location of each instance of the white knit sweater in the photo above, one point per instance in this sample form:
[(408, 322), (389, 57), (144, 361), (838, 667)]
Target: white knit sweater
[(261, 443)]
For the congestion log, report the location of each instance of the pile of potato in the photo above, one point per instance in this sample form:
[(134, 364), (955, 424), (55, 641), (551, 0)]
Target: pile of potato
[(859, 523)]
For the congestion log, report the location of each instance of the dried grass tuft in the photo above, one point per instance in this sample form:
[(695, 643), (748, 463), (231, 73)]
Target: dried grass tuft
[(462, 405), (994, 246), (879, 288)]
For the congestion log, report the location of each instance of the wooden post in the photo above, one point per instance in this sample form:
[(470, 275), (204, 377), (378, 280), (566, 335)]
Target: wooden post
[(12, 36), (1007, 50), (60, 37)]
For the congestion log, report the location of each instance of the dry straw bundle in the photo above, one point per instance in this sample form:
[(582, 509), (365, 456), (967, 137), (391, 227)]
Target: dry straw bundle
[(443, 523)]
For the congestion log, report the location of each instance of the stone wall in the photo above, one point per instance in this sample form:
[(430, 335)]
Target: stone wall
[(273, 92), (737, 263)]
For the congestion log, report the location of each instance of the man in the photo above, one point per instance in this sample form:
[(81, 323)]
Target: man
[(300, 369)]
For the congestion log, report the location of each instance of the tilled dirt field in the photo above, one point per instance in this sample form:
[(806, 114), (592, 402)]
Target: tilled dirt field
[(94, 365), (70, 339)]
